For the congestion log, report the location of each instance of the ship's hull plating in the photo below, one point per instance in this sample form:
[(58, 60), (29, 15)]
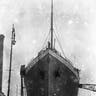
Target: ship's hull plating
[(50, 77)]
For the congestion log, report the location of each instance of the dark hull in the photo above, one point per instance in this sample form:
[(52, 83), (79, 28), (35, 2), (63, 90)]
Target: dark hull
[(50, 77)]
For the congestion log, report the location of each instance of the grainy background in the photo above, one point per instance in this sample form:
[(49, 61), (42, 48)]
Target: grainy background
[(75, 22)]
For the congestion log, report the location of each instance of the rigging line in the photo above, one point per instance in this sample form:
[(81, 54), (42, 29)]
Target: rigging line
[(45, 41), (59, 42), (38, 49), (57, 32), (62, 48), (58, 39), (60, 45)]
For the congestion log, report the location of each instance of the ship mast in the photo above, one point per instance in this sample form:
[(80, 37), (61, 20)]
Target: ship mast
[(51, 24), (12, 43)]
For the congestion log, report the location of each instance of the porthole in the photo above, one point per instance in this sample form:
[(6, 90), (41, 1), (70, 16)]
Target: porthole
[(57, 73), (42, 74)]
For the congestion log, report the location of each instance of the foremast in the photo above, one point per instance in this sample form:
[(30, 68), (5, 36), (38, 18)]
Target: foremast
[(52, 24)]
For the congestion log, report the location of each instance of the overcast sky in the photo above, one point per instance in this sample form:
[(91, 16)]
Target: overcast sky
[(74, 21)]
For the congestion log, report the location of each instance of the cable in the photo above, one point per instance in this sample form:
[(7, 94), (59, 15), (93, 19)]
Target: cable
[(60, 44), (45, 40), (58, 39)]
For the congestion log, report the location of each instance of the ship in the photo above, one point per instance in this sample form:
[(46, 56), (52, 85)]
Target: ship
[(50, 73)]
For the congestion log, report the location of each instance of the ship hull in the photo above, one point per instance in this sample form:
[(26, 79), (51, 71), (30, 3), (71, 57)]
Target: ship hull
[(50, 77)]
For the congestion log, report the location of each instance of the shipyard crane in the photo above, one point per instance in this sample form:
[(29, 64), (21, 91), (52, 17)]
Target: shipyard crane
[(91, 87)]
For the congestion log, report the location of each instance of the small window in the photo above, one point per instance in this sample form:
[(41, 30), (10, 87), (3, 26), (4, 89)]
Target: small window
[(42, 74), (57, 73)]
